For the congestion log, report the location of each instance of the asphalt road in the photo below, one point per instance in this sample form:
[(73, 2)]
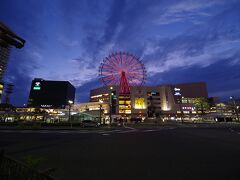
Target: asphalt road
[(157, 153)]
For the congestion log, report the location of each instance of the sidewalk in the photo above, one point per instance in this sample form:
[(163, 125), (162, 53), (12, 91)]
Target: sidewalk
[(105, 128)]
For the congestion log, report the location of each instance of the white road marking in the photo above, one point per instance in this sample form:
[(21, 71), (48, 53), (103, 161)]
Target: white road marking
[(44, 131), (149, 130), (105, 134), (172, 128), (130, 131), (64, 132), (102, 132), (130, 128)]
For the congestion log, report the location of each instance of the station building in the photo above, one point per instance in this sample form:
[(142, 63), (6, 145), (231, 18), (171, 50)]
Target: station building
[(152, 101)]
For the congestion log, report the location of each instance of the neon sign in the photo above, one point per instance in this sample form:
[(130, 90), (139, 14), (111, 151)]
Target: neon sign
[(177, 92), (140, 103), (37, 86)]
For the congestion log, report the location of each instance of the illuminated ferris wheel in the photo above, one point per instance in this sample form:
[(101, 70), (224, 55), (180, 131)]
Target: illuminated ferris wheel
[(122, 69)]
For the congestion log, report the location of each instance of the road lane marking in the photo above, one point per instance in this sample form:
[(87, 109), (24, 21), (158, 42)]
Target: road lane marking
[(116, 131), (105, 134), (149, 130), (130, 128), (172, 128), (130, 131)]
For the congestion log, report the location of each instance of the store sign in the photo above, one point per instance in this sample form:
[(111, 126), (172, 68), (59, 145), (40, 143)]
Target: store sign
[(37, 86), (46, 105), (188, 108), (177, 92), (140, 103)]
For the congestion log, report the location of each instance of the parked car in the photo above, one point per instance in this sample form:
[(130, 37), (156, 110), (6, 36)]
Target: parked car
[(90, 123)]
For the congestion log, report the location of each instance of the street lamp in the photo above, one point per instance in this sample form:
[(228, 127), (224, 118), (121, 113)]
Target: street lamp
[(70, 102), (100, 113), (180, 108), (110, 104), (234, 106)]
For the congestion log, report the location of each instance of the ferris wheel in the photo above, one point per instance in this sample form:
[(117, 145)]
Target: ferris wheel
[(123, 69)]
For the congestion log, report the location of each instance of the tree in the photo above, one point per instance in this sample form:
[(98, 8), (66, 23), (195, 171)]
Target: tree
[(201, 104)]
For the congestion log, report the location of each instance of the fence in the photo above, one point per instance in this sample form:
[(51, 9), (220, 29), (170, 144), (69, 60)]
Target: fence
[(11, 169)]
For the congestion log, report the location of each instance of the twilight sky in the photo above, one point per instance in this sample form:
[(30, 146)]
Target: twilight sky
[(179, 41)]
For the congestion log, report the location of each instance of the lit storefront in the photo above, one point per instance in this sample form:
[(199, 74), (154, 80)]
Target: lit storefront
[(153, 101)]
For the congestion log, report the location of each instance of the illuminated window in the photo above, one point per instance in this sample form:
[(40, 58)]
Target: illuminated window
[(128, 111), (128, 102), (121, 102)]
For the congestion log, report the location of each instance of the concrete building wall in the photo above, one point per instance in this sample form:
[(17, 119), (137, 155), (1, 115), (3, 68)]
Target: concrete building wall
[(192, 90), (154, 100)]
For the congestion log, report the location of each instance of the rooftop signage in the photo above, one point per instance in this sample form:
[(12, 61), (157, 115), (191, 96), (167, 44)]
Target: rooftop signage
[(177, 92), (37, 86)]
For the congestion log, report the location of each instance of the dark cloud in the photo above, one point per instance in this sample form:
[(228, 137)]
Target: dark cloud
[(114, 19), (200, 45)]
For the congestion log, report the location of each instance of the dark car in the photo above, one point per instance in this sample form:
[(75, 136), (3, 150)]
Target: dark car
[(90, 123)]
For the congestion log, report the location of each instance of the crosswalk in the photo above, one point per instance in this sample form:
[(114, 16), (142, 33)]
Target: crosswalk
[(234, 130)]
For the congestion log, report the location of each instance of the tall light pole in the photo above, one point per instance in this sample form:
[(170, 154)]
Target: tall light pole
[(234, 106), (181, 113), (110, 104), (100, 113), (222, 114), (70, 102)]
